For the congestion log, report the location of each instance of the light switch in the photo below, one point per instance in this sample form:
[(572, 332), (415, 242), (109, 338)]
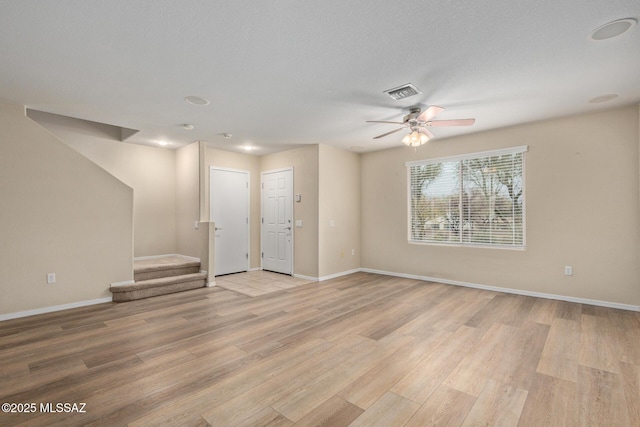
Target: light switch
[(298, 223)]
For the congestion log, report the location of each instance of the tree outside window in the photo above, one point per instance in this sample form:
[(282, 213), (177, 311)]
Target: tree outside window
[(471, 200)]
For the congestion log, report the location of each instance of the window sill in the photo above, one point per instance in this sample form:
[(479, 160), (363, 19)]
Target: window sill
[(469, 245)]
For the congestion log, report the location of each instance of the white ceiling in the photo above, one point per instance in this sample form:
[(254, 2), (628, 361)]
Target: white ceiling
[(283, 73)]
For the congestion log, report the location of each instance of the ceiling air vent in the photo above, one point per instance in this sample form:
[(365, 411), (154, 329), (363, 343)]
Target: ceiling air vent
[(402, 92)]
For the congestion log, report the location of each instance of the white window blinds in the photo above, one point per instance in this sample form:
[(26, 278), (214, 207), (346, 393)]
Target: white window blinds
[(475, 199)]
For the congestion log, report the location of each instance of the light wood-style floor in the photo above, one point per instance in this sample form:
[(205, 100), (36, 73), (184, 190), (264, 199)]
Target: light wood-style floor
[(361, 350)]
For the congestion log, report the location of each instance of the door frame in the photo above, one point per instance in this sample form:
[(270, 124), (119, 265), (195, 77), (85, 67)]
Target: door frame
[(292, 205), (220, 168)]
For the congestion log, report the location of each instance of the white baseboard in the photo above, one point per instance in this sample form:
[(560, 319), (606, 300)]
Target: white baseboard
[(327, 277), (54, 308), (301, 276), (210, 284), (587, 301), (336, 275)]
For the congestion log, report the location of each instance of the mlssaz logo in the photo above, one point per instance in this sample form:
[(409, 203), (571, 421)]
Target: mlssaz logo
[(65, 407)]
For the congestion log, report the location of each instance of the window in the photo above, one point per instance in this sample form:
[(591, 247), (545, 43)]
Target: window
[(471, 200)]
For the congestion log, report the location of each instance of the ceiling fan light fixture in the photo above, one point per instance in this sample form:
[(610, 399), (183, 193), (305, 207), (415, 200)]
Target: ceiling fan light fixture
[(415, 139)]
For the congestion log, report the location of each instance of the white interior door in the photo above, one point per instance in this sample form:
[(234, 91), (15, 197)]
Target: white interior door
[(277, 217), (229, 209)]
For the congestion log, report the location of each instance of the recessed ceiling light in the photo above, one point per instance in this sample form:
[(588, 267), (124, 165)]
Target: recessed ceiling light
[(196, 100), (187, 126), (603, 98), (613, 29)]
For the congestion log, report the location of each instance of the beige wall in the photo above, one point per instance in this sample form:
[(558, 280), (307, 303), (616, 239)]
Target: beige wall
[(150, 171), (304, 161), (188, 200), (246, 162), (582, 209), (339, 203), (60, 213), (582, 196)]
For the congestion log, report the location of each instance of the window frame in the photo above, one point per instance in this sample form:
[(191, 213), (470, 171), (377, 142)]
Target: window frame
[(460, 158)]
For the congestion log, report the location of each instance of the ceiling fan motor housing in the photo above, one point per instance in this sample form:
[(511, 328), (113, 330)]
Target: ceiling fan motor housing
[(413, 113)]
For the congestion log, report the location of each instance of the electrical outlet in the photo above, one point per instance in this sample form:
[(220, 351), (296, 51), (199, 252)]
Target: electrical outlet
[(568, 270), (51, 278)]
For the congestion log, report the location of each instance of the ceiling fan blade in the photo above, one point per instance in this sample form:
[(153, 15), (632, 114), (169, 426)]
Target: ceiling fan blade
[(389, 133), (383, 121), (457, 122), (426, 132), (429, 113)]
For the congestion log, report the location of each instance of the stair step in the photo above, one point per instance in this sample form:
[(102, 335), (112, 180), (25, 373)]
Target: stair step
[(158, 286), (173, 265)]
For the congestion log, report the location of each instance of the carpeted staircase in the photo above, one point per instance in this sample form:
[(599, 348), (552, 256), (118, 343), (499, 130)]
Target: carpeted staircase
[(159, 276)]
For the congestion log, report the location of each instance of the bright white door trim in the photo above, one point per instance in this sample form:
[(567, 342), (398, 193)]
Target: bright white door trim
[(282, 267), (239, 226)]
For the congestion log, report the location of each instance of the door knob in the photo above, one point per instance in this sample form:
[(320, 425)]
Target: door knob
[(218, 228), (287, 228)]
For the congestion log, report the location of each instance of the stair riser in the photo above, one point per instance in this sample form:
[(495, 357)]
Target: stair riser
[(161, 290), (157, 274)]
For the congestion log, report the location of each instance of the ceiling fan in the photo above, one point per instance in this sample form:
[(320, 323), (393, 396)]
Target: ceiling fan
[(418, 122)]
